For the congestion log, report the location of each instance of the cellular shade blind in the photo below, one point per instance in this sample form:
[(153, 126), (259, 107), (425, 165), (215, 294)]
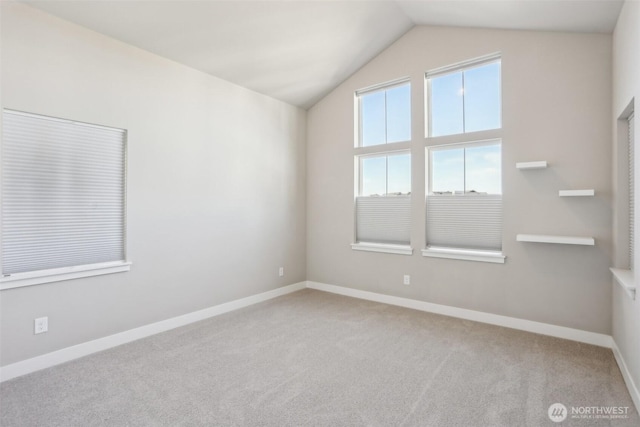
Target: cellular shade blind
[(465, 221), (383, 219), (631, 191), (63, 193)]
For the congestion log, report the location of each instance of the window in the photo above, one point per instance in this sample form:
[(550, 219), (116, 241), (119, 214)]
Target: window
[(464, 98), (464, 201), (386, 175), (626, 143), (384, 114), (464, 177), (383, 205), (63, 199), (383, 169), (631, 192), (468, 169)]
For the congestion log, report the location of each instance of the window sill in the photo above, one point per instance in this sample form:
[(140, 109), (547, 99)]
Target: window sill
[(59, 274), (383, 247), (464, 254), (626, 279)]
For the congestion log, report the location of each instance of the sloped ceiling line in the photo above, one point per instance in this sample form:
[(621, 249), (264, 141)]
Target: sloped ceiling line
[(298, 51)]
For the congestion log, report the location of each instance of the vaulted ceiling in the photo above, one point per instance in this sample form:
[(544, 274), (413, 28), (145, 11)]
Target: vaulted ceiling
[(299, 50)]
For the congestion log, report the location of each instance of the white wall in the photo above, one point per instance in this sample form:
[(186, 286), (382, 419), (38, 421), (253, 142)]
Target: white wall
[(556, 107), (626, 88), (216, 184)]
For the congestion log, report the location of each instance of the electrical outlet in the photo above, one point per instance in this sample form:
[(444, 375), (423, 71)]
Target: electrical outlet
[(281, 271), (40, 325), (407, 279)]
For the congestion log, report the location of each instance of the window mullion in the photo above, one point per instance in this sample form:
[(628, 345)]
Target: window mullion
[(464, 128), (464, 171), (386, 175), (359, 176), (386, 136)]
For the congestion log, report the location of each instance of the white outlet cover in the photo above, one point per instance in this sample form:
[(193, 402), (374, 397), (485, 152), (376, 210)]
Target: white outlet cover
[(407, 279), (281, 271), (41, 325)]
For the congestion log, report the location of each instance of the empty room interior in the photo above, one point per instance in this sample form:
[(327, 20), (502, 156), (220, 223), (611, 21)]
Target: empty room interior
[(331, 213)]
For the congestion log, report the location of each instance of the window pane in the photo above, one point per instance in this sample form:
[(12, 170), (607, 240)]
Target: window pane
[(373, 173), (446, 105), (372, 118), (399, 114), (399, 174), (482, 106), (447, 171), (483, 169)]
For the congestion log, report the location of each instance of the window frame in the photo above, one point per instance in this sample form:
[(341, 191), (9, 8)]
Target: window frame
[(381, 87), (454, 146), (625, 135), (385, 154), (385, 149), (451, 69), (392, 248), (459, 140), (459, 253), (36, 277), (631, 154)]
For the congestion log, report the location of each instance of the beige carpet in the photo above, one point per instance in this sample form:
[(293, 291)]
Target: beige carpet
[(317, 359)]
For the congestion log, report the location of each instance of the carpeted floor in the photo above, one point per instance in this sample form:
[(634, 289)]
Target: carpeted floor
[(317, 359)]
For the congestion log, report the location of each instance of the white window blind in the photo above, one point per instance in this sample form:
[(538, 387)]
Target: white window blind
[(63, 193), (464, 221), (383, 219), (631, 191)]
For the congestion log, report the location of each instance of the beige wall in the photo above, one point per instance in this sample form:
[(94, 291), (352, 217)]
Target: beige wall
[(626, 88), (216, 184), (217, 180), (556, 107)]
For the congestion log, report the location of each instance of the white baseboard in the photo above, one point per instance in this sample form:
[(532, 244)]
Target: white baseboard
[(628, 379), (80, 350), (84, 349), (593, 338)]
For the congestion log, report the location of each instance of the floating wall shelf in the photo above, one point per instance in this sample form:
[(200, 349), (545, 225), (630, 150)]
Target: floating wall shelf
[(576, 193), (532, 165), (563, 240)]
